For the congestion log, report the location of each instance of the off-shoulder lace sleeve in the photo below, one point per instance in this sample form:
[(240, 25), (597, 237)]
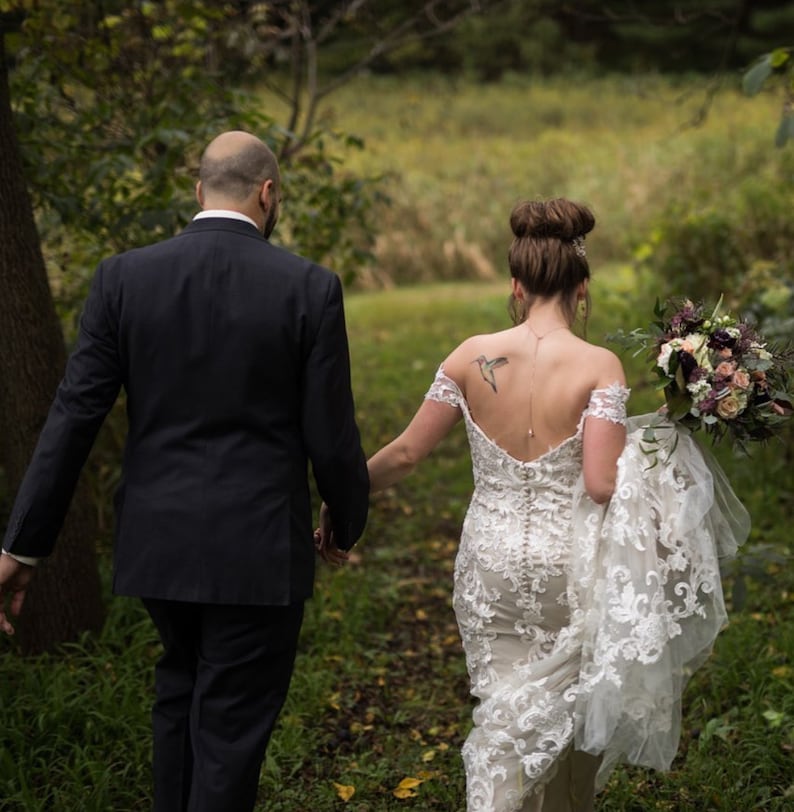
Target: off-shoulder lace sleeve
[(608, 403), (444, 390)]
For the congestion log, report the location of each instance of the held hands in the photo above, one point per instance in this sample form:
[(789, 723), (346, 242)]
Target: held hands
[(324, 540), (14, 579)]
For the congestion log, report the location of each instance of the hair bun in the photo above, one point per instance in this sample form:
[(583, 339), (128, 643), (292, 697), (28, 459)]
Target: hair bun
[(558, 218)]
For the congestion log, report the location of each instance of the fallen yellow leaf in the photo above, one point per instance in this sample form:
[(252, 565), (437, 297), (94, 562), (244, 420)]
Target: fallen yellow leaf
[(409, 783), (428, 755), (344, 791)]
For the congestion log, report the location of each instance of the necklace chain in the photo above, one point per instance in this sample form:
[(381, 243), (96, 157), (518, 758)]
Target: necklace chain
[(541, 336), (538, 338)]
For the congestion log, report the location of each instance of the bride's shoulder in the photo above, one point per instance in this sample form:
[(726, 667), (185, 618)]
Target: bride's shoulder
[(470, 355), (469, 350), (604, 366)]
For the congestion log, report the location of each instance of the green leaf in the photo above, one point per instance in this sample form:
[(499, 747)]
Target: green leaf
[(779, 57), (757, 75), (785, 129)]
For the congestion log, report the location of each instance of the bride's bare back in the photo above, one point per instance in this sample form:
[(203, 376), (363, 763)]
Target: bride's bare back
[(527, 389)]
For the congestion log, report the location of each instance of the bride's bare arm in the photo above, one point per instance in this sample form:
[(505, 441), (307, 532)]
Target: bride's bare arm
[(604, 438), (432, 422), (603, 444)]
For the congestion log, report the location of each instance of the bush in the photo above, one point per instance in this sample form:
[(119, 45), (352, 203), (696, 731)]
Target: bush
[(736, 245)]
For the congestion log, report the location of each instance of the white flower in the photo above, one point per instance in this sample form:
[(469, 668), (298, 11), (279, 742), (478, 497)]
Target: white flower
[(663, 359), (699, 390), (696, 344)]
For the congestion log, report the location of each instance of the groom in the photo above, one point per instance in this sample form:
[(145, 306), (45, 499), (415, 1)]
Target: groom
[(234, 358)]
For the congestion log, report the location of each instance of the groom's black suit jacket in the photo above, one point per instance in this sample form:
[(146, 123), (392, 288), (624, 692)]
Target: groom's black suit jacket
[(234, 357)]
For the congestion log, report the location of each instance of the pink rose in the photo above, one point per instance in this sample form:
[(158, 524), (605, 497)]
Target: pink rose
[(725, 369), (741, 379)]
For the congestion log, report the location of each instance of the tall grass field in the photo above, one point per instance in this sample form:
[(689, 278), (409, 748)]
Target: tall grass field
[(379, 705)]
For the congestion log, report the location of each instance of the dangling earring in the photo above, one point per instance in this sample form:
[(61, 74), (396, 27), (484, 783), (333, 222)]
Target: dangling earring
[(584, 313)]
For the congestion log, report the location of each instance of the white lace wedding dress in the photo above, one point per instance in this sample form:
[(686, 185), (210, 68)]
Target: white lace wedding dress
[(581, 623)]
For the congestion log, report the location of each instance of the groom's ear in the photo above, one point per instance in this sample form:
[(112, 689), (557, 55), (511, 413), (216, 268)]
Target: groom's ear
[(199, 194), (266, 194)]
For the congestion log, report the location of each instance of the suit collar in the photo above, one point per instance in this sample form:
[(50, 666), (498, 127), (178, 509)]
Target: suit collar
[(222, 224), (229, 214)]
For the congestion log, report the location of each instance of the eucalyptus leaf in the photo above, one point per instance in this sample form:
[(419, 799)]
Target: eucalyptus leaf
[(785, 129), (757, 75)]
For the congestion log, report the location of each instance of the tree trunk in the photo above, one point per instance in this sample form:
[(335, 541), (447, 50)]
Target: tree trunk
[(65, 597)]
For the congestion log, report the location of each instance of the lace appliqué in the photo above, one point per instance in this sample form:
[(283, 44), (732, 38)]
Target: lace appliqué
[(572, 616), (444, 390), (648, 601), (608, 403)]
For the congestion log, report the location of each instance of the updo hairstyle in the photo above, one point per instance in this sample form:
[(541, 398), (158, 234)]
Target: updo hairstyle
[(547, 253)]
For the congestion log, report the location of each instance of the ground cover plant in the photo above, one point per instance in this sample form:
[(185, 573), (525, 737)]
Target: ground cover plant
[(456, 155), (379, 706)]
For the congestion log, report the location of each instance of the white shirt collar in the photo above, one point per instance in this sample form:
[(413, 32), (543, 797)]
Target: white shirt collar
[(227, 213)]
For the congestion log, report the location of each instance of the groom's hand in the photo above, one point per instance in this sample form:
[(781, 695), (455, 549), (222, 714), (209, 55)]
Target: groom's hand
[(14, 579), (329, 552), (324, 540)]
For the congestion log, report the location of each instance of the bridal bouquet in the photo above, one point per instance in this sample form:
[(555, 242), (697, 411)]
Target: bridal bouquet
[(717, 372)]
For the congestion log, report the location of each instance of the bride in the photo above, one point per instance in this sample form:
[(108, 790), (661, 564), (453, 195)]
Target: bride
[(586, 583)]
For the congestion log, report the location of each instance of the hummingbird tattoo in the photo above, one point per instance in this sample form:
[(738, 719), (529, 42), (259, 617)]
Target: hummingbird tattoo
[(487, 367)]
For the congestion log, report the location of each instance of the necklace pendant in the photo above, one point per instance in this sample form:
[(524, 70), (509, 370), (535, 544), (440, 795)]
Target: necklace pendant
[(531, 433)]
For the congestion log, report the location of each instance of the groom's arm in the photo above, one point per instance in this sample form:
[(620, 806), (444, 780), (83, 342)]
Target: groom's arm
[(89, 388), (329, 426)]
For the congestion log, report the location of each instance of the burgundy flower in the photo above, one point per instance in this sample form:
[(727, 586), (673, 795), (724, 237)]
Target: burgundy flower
[(687, 320), (688, 365), (721, 340), (709, 404)]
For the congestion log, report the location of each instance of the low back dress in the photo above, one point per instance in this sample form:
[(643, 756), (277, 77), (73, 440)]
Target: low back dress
[(565, 684)]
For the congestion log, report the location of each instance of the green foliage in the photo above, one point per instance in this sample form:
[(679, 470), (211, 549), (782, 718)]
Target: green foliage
[(457, 155), (778, 64), (328, 211), (516, 36), (85, 743), (732, 244), (113, 106)]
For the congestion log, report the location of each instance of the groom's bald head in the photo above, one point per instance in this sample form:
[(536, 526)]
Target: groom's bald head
[(234, 165), (239, 172)]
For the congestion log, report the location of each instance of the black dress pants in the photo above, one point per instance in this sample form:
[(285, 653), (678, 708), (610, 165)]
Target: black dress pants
[(220, 685)]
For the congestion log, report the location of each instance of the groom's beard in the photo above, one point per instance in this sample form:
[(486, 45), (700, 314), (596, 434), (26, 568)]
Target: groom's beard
[(271, 218)]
